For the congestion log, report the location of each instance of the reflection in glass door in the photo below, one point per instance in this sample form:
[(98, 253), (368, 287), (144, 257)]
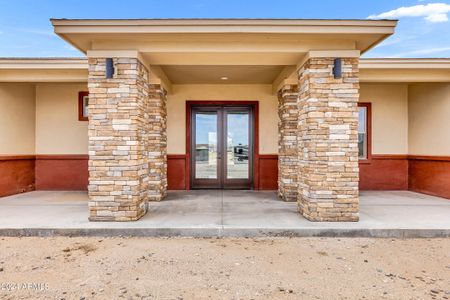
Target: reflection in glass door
[(238, 146), (206, 147), (221, 137)]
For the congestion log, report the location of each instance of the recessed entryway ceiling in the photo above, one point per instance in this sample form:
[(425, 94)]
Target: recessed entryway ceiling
[(214, 74)]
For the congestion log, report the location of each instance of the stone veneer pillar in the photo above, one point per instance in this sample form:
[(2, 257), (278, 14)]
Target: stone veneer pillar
[(126, 120), (157, 143), (327, 141), (287, 142)]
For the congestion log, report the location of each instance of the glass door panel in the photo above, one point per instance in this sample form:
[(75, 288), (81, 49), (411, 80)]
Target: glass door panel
[(238, 145), (206, 145), (221, 147)]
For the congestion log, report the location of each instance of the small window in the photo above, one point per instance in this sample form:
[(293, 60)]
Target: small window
[(83, 106), (363, 130)]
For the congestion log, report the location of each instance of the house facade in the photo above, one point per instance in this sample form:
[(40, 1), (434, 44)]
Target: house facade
[(284, 105)]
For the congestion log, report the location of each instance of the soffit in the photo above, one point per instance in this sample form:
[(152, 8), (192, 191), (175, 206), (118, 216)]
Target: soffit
[(371, 70), (323, 34), (43, 70), (213, 74), (405, 70)]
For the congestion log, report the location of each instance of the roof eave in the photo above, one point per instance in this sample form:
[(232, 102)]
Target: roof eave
[(43, 63), (65, 26), (223, 22), (405, 63)]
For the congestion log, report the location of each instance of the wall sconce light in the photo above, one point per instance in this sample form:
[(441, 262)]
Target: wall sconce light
[(337, 69), (109, 71)]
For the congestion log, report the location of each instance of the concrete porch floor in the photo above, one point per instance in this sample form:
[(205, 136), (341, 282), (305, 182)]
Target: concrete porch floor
[(225, 213)]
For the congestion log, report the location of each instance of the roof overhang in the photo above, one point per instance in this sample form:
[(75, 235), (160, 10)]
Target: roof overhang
[(406, 70), (43, 70), (385, 70), (205, 48), (189, 41)]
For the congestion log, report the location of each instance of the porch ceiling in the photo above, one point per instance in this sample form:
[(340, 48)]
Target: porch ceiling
[(404, 70), (213, 74)]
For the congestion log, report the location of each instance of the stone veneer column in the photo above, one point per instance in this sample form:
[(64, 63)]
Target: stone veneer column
[(327, 137), (157, 142), (287, 142), (122, 132)]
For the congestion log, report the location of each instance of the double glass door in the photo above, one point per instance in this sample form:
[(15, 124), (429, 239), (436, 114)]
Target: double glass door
[(221, 147)]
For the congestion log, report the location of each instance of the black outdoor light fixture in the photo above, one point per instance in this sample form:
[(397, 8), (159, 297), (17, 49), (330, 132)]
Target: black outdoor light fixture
[(109, 68), (337, 69)]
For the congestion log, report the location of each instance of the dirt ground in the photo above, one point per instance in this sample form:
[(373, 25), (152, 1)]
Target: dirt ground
[(185, 268)]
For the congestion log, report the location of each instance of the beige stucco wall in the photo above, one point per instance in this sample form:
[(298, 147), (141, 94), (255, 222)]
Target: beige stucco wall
[(58, 130), (46, 118), (17, 121), (429, 119), (176, 111), (389, 116)]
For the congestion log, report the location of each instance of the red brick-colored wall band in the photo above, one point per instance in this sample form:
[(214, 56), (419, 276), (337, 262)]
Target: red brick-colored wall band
[(384, 172), (16, 174), (430, 175), (176, 171), (62, 172), (268, 172), (424, 174)]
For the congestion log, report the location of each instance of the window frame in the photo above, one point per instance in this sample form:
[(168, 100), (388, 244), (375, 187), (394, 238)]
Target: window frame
[(368, 107), (81, 116)]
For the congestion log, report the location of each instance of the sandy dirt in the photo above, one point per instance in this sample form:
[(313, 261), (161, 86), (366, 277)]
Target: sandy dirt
[(184, 268)]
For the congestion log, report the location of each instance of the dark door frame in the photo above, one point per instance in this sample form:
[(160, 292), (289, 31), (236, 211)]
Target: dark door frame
[(253, 104)]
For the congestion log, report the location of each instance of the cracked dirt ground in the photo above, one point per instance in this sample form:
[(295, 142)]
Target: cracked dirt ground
[(227, 268)]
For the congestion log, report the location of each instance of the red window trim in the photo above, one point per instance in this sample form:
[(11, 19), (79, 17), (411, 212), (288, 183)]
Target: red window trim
[(368, 107), (81, 117)]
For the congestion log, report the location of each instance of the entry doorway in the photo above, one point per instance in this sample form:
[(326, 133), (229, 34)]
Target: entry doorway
[(222, 145)]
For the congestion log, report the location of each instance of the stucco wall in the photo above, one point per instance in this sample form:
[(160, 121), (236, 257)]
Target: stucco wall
[(54, 117), (17, 121), (389, 116), (58, 130), (176, 111), (429, 119)]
